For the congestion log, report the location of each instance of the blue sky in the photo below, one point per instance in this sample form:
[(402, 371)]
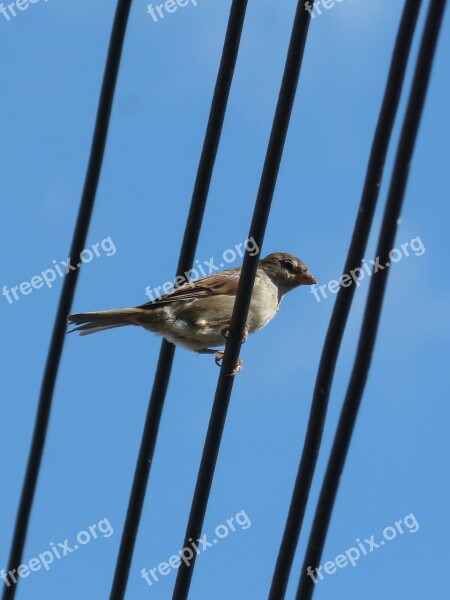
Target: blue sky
[(53, 58)]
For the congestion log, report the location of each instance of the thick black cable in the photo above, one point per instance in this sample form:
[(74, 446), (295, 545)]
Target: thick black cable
[(374, 303), (186, 260), (245, 288), (68, 289), (344, 299)]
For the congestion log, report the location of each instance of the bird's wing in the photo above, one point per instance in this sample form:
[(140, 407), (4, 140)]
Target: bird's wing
[(212, 285)]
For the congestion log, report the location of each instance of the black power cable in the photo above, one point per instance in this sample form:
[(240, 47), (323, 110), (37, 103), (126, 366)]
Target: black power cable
[(344, 299), (374, 303), (238, 321), (186, 260), (68, 289)]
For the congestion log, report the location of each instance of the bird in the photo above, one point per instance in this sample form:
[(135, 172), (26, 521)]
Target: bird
[(197, 315)]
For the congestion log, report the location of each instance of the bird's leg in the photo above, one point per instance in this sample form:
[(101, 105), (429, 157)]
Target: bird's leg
[(220, 353), (211, 324), (219, 356), (226, 331), (219, 359)]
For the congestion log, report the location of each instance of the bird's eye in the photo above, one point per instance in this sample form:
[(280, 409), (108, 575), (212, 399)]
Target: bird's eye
[(288, 265)]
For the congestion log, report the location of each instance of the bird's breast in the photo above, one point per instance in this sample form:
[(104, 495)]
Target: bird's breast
[(264, 304)]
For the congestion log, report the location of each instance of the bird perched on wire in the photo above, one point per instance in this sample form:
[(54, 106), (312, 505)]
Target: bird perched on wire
[(197, 315)]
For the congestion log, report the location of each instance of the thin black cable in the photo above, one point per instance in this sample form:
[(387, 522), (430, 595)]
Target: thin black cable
[(344, 299), (374, 303), (68, 289), (245, 288), (186, 260)]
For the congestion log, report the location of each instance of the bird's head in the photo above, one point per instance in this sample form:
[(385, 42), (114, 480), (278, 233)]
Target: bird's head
[(286, 271)]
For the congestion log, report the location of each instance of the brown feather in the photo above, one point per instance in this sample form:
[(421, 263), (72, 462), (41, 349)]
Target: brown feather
[(215, 284)]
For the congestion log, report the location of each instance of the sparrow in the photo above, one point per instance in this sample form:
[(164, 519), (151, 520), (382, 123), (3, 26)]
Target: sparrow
[(197, 315)]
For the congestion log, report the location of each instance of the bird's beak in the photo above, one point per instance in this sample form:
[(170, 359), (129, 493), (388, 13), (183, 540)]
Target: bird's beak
[(305, 278)]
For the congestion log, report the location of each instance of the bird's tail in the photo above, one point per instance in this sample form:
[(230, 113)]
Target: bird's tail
[(91, 322)]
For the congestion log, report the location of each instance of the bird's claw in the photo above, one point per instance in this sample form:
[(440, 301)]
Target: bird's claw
[(219, 359)]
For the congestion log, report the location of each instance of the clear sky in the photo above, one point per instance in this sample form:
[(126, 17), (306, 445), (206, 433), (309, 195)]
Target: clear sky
[(53, 56)]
